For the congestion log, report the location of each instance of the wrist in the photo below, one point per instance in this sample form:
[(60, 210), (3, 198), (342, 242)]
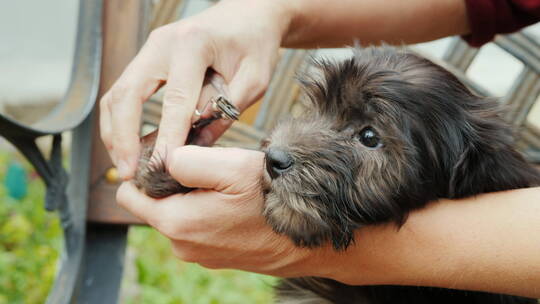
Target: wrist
[(297, 23), (362, 263), (284, 13), (277, 14), (289, 16)]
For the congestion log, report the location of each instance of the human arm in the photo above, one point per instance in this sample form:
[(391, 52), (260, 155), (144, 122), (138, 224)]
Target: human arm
[(323, 23), (488, 243)]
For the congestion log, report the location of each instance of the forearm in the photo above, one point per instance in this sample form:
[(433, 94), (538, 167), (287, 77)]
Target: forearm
[(487, 243), (326, 23)]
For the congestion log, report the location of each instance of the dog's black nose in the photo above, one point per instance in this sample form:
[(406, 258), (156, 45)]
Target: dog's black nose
[(277, 162)]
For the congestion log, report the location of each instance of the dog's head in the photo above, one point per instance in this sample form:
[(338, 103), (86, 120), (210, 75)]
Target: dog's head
[(387, 132)]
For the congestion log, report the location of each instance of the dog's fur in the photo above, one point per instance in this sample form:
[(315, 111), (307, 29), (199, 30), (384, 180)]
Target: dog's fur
[(437, 140), (152, 175)]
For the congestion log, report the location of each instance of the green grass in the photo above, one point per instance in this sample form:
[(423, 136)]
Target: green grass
[(31, 240), (163, 279)]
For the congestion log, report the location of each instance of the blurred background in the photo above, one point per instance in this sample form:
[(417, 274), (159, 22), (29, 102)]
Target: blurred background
[(36, 49)]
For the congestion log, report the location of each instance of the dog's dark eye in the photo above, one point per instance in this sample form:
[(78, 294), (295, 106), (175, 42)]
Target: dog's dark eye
[(369, 138)]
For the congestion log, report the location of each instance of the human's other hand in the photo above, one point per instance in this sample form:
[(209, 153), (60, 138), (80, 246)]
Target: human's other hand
[(220, 225), (238, 39)]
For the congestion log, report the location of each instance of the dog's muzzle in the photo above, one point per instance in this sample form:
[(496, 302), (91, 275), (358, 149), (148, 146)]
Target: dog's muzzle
[(277, 162)]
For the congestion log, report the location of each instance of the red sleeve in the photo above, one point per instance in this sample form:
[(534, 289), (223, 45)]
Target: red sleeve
[(490, 17)]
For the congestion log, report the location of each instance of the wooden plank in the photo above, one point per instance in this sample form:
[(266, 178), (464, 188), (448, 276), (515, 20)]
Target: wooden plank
[(243, 136), (460, 55), (164, 12), (122, 23), (283, 90), (250, 114), (106, 210)]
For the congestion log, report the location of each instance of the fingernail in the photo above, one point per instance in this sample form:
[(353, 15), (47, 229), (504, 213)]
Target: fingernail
[(123, 169)]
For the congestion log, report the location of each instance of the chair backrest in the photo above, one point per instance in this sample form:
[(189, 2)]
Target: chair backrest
[(524, 90)]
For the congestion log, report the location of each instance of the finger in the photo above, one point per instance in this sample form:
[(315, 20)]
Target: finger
[(249, 83), (105, 127), (140, 205), (209, 92), (172, 215), (214, 168), (180, 99), (210, 134), (246, 87), (126, 116), (143, 76)]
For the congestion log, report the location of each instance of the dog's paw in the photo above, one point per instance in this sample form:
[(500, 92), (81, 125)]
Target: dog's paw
[(153, 178)]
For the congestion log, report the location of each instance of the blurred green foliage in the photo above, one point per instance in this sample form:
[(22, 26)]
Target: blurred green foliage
[(161, 278), (31, 240)]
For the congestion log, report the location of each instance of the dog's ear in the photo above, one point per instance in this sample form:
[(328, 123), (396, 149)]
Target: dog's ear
[(314, 82), (327, 82), (489, 165), (487, 160)]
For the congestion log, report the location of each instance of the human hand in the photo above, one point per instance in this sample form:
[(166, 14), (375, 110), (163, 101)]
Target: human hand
[(237, 39), (220, 225)]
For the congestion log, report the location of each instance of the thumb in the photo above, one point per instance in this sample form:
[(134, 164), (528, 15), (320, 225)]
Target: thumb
[(220, 169), (246, 87)]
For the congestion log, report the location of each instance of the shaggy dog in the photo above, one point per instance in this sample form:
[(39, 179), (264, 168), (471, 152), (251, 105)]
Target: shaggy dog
[(386, 133)]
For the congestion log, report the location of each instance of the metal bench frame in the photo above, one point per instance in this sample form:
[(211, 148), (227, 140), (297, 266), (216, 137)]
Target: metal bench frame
[(67, 196)]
